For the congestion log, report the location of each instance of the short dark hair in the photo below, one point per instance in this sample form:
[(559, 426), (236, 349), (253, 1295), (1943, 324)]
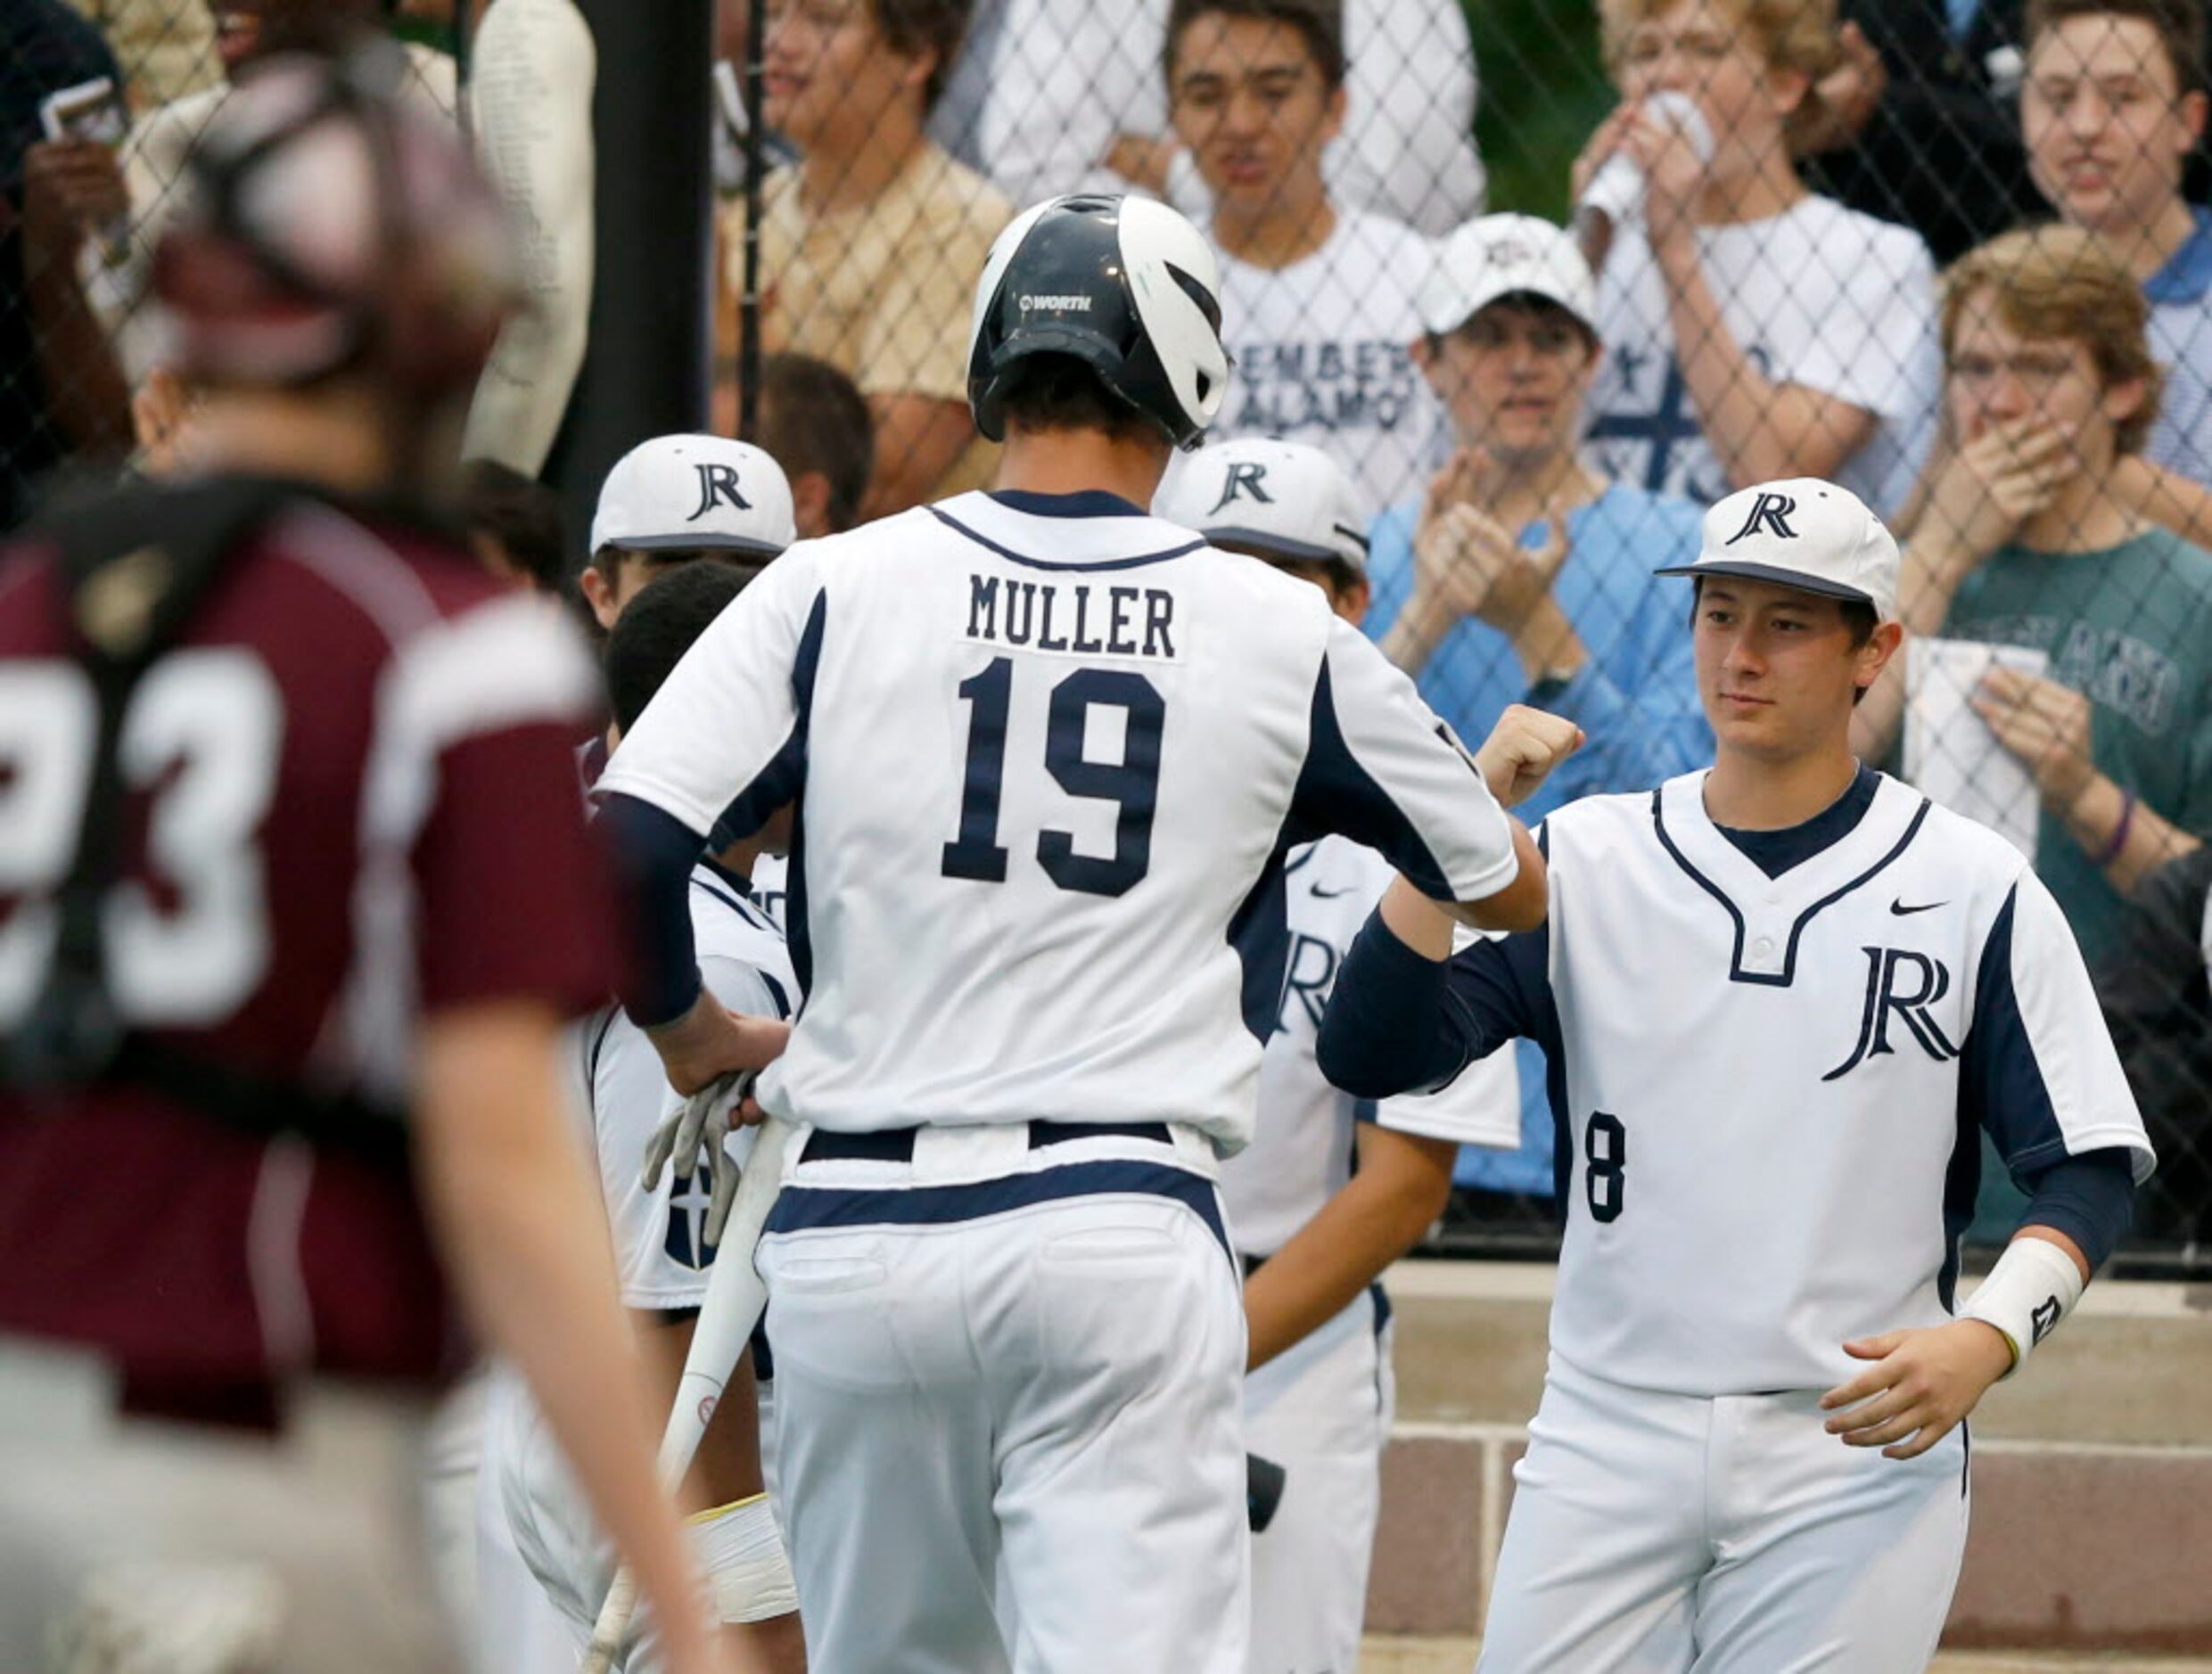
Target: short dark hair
[(1322, 23), (813, 418), (2179, 24), (520, 514), (913, 27), (658, 627), (1059, 392)]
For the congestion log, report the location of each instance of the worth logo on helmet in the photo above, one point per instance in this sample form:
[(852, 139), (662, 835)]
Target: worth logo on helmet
[(718, 485), (1771, 512)]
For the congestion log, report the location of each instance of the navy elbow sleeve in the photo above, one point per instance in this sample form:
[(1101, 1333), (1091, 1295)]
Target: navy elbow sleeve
[(2090, 1198), (1383, 1032), (656, 852)]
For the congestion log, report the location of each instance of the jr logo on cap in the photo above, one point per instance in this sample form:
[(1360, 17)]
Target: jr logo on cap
[(1246, 479), (718, 484), (1770, 511)]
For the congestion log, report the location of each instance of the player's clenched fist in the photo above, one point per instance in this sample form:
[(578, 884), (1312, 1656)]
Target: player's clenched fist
[(1922, 1384), (1523, 749)]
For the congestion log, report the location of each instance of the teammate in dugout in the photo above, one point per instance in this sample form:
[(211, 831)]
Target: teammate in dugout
[(1780, 998), (1332, 1189), (324, 733), (664, 1248), (1047, 752)]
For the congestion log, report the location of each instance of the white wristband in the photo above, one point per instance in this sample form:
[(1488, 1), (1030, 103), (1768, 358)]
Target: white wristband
[(747, 1570), (2033, 1285)]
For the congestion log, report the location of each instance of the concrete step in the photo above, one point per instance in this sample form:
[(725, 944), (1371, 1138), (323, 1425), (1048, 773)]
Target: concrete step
[(2133, 1366), (2092, 1477)]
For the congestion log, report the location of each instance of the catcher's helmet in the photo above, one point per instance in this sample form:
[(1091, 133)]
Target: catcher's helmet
[(1125, 285), (326, 223)]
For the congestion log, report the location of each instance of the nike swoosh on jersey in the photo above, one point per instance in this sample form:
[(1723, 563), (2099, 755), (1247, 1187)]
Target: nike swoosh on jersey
[(1320, 894), (1901, 910)]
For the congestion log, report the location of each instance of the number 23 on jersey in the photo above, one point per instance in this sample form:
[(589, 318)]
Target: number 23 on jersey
[(203, 735)]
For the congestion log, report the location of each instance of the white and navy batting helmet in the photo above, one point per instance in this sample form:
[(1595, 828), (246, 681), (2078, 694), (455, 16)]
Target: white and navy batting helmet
[(1125, 285)]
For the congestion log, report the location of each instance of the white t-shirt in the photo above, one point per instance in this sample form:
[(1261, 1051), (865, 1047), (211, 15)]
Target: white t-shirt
[(1323, 353), (1301, 1154), (1819, 296), (1045, 750)]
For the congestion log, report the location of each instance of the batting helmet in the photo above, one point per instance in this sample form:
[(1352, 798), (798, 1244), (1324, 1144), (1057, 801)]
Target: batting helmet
[(1125, 285), (326, 225)]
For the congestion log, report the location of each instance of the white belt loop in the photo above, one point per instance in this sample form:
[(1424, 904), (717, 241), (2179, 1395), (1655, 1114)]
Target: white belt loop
[(974, 1151)]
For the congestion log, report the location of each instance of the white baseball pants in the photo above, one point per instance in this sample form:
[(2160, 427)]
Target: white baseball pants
[(1009, 1387), (1657, 1534)]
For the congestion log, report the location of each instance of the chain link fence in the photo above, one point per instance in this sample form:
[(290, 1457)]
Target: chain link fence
[(1807, 263)]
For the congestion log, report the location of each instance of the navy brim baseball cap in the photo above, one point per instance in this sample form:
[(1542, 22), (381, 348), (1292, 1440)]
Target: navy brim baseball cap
[(1796, 580)]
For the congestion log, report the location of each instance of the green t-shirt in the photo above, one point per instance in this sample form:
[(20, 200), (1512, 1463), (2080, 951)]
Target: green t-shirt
[(2130, 627)]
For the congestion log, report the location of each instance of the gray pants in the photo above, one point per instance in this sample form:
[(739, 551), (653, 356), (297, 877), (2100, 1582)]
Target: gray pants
[(130, 1546)]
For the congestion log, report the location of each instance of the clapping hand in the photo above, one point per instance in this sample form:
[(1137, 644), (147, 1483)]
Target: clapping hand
[(1473, 565)]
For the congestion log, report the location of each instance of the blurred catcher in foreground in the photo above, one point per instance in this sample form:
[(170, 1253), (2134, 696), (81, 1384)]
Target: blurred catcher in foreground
[(271, 744)]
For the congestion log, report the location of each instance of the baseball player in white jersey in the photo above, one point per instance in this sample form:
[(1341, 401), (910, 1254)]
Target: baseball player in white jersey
[(1047, 752), (540, 1565), (1314, 1233), (1782, 999), (663, 1256)]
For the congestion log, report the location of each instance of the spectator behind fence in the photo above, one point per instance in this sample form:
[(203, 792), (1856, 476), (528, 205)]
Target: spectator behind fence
[(2157, 992), (1753, 330), (1911, 127), (2112, 106), (1407, 150), (1317, 300), (166, 47), (815, 424), (1525, 576), (60, 392), (871, 243), (1064, 96), (2051, 384)]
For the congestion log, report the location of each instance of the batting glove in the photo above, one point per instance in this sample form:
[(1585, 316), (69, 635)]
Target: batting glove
[(702, 1125)]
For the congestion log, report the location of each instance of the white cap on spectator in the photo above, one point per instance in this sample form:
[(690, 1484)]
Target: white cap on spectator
[(1258, 494), (1498, 256), (1802, 533), (694, 494)]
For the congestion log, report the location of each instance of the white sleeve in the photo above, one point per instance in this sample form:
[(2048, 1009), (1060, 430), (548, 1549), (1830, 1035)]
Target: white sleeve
[(729, 722), (1876, 347), (1481, 1106), (1382, 769), (2039, 1065)]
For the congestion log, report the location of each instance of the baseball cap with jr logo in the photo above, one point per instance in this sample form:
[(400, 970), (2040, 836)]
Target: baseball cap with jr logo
[(1802, 533), (1261, 494), (681, 493)]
